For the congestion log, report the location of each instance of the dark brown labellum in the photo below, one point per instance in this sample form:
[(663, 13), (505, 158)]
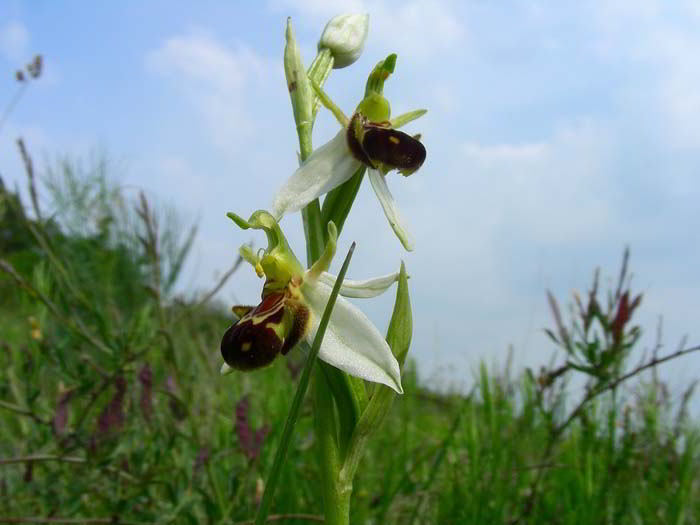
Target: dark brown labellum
[(393, 148), (382, 146), (299, 327), (274, 326)]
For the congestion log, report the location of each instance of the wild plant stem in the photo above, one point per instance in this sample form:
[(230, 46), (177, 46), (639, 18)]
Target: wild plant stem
[(285, 441), (80, 521), (336, 502), (19, 410)]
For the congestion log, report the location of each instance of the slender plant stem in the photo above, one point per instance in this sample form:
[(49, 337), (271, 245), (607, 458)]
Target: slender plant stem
[(19, 410), (220, 284), (336, 503), (42, 457), (291, 516), (283, 448), (81, 521), (29, 170), (332, 389), (61, 459), (326, 425), (614, 384), (13, 102)]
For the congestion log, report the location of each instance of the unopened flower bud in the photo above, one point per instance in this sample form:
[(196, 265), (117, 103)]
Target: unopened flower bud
[(345, 37)]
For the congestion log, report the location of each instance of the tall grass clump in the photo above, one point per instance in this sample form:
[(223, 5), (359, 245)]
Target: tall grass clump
[(101, 397)]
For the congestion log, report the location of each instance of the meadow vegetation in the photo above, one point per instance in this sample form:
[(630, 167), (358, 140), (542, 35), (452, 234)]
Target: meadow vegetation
[(112, 409)]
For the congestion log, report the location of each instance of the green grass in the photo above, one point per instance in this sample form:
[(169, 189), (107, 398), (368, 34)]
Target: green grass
[(85, 434)]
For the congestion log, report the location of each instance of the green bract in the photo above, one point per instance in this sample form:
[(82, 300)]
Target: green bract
[(291, 307)]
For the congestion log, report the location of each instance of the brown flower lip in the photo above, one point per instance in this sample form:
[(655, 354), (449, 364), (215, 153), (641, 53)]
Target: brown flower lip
[(381, 144), (273, 327)]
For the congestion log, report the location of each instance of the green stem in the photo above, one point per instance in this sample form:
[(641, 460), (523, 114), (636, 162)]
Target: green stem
[(336, 504), (338, 201), (319, 70), (329, 385), (283, 448), (311, 215), (332, 388), (313, 231)]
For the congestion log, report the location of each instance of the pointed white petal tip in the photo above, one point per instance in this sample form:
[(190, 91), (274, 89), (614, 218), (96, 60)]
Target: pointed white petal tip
[(225, 370), (386, 199), (362, 289), (351, 342)]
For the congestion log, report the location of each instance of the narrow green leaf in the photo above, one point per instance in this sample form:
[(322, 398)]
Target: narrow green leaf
[(405, 118), (313, 230), (338, 202)]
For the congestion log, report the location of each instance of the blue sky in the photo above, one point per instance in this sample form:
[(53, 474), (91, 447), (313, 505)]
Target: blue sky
[(557, 133)]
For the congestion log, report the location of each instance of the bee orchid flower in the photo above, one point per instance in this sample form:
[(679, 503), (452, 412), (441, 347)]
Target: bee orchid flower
[(369, 138), (293, 300)]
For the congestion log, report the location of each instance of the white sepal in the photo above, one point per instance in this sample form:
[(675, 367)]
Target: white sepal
[(361, 289), (328, 167), (351, 342), (386, 199)]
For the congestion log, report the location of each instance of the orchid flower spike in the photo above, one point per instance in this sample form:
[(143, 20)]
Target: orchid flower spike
[(369, 138), (292, 304)]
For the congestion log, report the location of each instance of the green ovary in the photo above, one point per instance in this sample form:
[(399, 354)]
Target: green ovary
[(375, 107)]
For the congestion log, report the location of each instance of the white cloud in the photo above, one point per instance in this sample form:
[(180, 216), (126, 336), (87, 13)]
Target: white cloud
[(679, 55), (320, 8), (692, 7), (658, 39), (445, 97), (201, 58), (413, 27), (235, 97), (553, 191), (418, 28), (222, 84), (14, 39)]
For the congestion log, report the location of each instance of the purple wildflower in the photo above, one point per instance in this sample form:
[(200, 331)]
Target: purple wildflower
[(146, 401), (251, 441), (112, 417)]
